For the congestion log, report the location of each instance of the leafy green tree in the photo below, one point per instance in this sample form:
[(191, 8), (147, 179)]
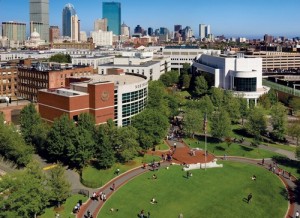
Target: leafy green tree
[(153, 123), (244, 108), (12, 144), (295, 103), (293, 130), (220, 124), (232, 106), (127, 143), (60, 188), (279, 120), (272, 95), (297, 154), (201, 86), (61, 139), (193, 121), (186, 80), (256, 122), (61, 58), (29, 121), (166, 79), (216, 96), (173, 103), (87, 121), (26, 194), (105, 154)]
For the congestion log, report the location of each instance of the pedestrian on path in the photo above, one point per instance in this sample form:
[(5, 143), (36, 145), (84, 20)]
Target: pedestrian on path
[(297, 214), (263, 161)]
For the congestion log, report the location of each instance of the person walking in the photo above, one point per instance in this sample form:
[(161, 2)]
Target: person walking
[(249, 198), (263, 161), (297, 214)]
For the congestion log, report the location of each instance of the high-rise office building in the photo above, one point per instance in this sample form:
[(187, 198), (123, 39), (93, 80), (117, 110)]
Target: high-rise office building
[(125, 31), (75, 28), (150, 31), (204, 31), (163, 31), (112, 12), (100, 24), (39, 13), (177, 28), (67, 14), (54, 33), (14, 31), (138, 29)]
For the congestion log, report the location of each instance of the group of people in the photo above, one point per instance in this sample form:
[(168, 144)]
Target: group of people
[(142, 214), (101, 196), (280, 172)]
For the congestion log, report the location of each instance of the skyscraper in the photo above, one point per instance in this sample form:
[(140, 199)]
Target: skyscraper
[(14, 31), (150, 31), (67, 14), (202, 31), (53, 33), (39, 13), (125, 31), (112, 11), (100, 24)]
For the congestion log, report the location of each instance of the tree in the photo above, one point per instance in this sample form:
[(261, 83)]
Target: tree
[(220, 124), (61, 139), (12, 144), (256, 122), (186, 80), (126, 143), (104, 149), (29, 121), (201, 86), (216, 97), (60, 188), (278, 121), (153, 123), (26, 194), (232, 106), (61, 58), (294, 130), (297, 154), (295, 103), (193, 121), (244, 108), (87, 121)]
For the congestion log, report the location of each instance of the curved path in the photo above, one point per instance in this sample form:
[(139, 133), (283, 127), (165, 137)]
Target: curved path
[(182, 155)]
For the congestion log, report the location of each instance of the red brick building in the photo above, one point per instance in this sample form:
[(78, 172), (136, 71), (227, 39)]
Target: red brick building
[(98, 101), (46, 76)]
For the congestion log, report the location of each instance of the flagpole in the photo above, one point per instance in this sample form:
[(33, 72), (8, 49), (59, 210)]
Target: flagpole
[(205, 140)]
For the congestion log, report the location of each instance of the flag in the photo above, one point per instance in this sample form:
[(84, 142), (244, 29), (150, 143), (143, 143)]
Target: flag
[(205, 123)]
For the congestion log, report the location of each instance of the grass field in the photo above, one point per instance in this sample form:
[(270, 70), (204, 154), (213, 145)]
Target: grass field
[(65, 211), (96, 178), (218, 192), (234, 149)]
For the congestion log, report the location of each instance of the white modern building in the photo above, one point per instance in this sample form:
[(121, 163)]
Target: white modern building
[(185, 54), (238, 73), (141, 63), (102, 38), (93, 61), (204, 31)]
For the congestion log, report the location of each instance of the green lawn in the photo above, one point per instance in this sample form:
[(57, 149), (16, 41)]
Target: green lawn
[(162, 146), (212, 193), (96, 178), (219, 149), (288, 165), (66, 209)]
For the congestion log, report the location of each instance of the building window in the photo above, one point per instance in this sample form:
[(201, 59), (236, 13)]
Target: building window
[(245, 84)]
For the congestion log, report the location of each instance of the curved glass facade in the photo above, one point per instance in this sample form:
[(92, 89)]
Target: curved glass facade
[(245, 84)]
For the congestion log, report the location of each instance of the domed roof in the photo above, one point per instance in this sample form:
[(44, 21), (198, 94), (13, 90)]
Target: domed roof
[(35, 35)]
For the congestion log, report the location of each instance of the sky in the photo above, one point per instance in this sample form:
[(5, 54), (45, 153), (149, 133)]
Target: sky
[(233, 18)]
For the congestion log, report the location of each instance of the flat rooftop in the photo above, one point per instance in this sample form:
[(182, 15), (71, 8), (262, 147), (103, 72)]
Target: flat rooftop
[(118, 80), (64, 92), (144, 64)]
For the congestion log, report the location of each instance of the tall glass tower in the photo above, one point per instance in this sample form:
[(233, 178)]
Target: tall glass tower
[(112, 12), (67, 14), (39, 13)]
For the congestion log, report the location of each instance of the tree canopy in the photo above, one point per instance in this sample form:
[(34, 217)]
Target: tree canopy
[(61, 58)]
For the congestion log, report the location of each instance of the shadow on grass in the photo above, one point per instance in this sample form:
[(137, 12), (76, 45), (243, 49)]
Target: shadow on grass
[(242, 132), (220, 148), (297, 191), (208, 138), (287, 162), (284, 193), (246, 148)]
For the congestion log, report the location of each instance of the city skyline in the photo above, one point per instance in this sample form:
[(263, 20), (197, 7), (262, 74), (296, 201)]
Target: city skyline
[(249, 19)]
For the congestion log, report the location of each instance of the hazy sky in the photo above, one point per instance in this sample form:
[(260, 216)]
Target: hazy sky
[(244, 18)]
